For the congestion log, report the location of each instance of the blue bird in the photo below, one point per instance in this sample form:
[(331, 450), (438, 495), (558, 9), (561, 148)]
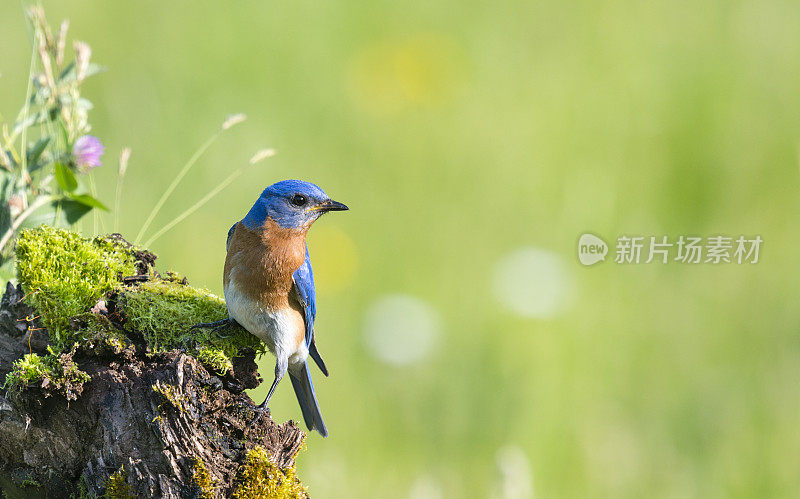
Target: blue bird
[(269, 284)]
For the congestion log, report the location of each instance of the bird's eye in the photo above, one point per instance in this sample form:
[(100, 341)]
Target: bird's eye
[(299, 200)]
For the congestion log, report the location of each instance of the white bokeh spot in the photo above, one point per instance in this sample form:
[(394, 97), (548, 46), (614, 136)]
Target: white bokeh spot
[(426, 487), (534, 282), (401, 329), (515, 479)]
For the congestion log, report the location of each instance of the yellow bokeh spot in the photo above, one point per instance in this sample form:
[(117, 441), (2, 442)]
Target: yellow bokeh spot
[(334, 259), (421, 70)]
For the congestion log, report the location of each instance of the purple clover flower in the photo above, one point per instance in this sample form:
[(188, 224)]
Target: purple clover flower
[(87, 151)]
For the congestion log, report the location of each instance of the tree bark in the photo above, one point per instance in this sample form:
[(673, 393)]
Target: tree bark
[(154, 420)]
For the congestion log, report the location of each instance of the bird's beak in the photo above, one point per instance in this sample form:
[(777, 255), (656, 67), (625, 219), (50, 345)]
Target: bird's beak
[(330, 205)]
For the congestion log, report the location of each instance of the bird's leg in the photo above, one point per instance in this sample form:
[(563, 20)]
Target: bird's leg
[(281, 366), (214, 326)]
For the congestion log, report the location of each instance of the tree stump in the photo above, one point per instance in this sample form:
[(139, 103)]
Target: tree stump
[(145, 425)]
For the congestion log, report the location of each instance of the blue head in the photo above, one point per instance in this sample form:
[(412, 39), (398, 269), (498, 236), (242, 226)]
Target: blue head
[(292, 204)]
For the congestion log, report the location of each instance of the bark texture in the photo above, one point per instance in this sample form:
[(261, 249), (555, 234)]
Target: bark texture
[(165, 425)]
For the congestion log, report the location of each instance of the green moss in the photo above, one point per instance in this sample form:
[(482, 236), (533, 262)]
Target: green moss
[(117, 486), (163, 311), (53, 372), (29, 482), (81, 492), (115, 343), (215, 358), (64, 274), (203, 481), (29, 369), (171, 395), (100, 336), (258, 478)]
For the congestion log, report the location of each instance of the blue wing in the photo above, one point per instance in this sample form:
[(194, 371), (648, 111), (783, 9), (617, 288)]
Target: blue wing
[(306, 294), (230, 235), (304, 285)]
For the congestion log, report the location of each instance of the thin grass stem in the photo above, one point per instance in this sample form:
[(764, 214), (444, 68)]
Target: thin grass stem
[(195, 206), (123, 167), (96, 215), (24, 148), (189, 164)]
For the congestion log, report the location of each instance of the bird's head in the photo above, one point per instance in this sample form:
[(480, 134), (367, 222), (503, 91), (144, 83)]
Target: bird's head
[(292, 204)]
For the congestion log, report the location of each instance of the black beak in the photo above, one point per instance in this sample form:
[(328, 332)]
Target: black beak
[(331, 205)]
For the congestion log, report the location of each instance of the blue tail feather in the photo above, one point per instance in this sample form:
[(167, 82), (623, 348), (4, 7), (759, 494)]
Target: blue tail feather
[(304, 389)]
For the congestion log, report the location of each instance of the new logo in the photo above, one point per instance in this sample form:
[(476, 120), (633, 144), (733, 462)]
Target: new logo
[(591, 249)]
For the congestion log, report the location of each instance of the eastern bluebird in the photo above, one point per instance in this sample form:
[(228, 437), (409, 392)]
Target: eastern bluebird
[(269, 284)]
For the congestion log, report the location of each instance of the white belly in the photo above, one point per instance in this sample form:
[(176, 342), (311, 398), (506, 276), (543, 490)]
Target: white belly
[(276, 328)]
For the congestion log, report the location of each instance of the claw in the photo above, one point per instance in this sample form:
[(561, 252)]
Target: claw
[(259, 410), (214, 326)]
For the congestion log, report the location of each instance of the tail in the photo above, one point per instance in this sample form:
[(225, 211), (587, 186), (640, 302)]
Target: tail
[(304, 389)]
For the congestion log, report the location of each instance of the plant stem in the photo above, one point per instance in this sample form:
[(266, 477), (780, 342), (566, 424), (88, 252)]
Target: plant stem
[(93, 190), (199, 152), (23, 146), (124, 157), (195, 206), (117, 195), (40, 201)]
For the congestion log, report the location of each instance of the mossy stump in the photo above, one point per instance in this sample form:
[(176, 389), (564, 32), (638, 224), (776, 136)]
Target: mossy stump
[(108, 394)]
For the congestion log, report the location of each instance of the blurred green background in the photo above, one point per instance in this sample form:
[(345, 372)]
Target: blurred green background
[(474, 143)]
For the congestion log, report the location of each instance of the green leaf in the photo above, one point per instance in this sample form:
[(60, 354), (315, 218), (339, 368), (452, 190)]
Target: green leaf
[(61, 212), (70, 211), (89, 201), (67, 70), (65, 178), (36, 151), (64, 133), (70, 73)]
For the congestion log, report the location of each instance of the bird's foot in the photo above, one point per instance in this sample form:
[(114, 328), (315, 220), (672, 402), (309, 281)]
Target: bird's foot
[(259, 410)]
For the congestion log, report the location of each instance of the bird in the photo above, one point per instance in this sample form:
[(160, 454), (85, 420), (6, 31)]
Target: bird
[(269, 289)]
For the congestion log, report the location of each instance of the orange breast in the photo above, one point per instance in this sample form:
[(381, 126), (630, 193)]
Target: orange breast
[(262, 262)]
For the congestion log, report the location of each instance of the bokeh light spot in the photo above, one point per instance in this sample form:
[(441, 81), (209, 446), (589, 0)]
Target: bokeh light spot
[(533, 282), (401, 329), (515, 478), (335, 258), (426, 486), (421, 70)]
